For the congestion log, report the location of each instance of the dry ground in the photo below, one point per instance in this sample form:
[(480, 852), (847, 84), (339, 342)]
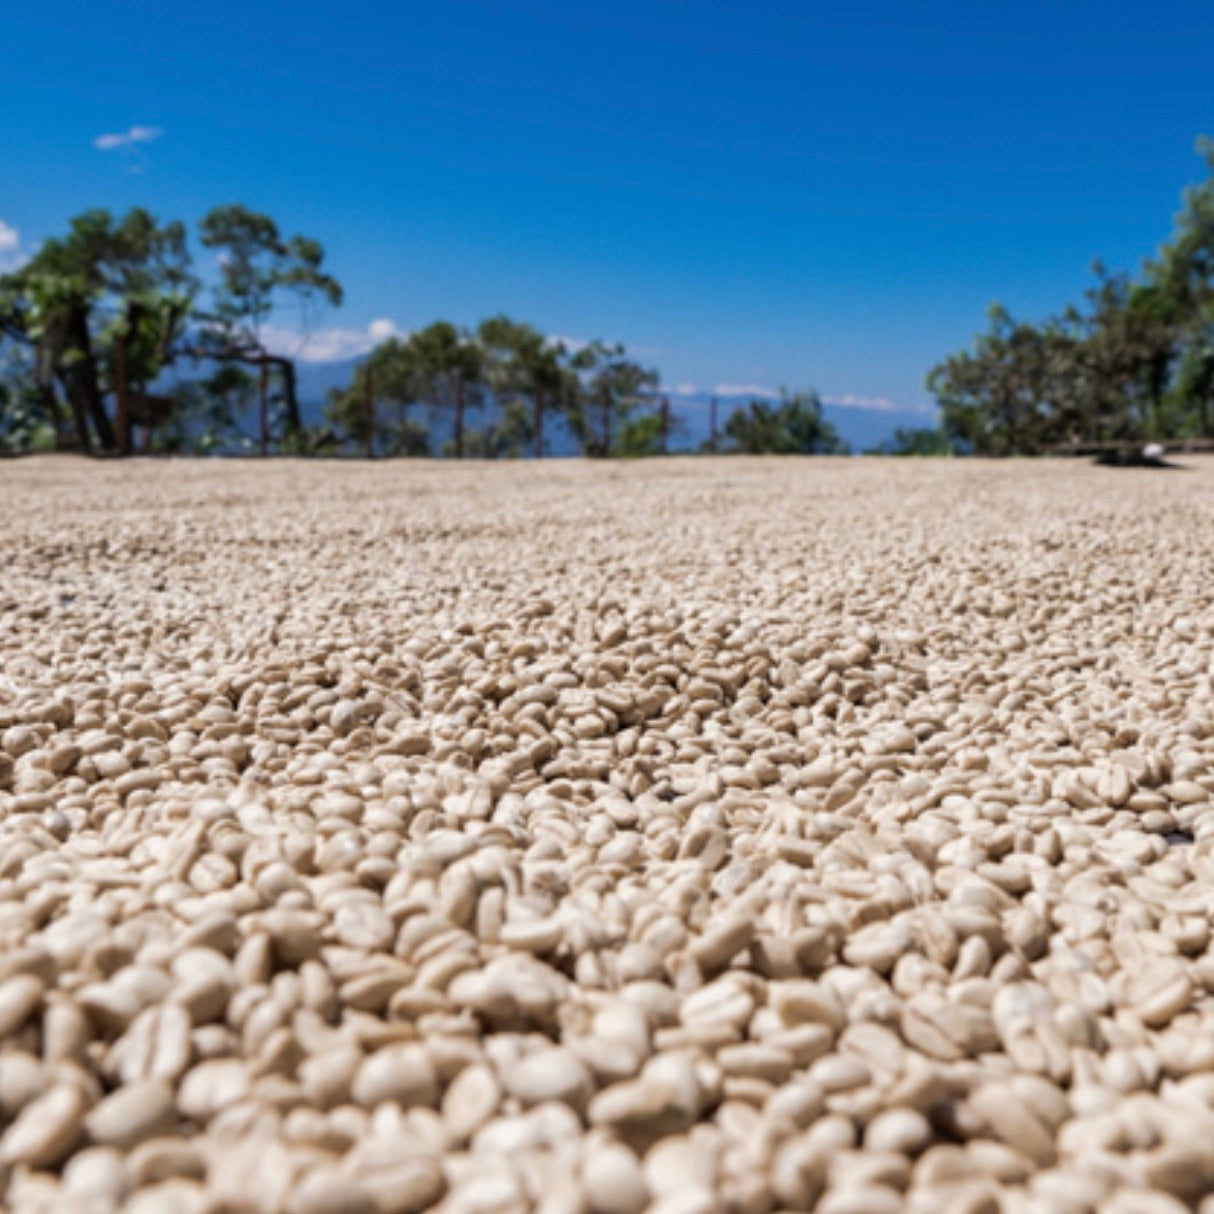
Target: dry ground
[(695, 835)]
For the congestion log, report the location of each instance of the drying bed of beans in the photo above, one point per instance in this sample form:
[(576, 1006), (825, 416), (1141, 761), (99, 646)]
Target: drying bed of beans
[(697, 836)]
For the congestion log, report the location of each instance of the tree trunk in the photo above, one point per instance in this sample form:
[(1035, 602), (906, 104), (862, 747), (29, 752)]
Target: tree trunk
[(1160, 367), (50, 402), (80, 421), (458, 437), (122, 411), (290, 397), (81, 381), (80, 417), (263, 406), (606, 415), (539, 425), (263, 361), (44, 382), (149, 421)]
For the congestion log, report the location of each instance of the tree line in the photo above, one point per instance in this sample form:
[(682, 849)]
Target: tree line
[(112, 341), (94, 322), (1134, 362)]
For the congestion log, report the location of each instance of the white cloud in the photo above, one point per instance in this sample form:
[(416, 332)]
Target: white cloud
[(382, 329), (745, 390), (328, 345), (322, 346), (10, 247), (684, 390), (127, 139), (849, 400)]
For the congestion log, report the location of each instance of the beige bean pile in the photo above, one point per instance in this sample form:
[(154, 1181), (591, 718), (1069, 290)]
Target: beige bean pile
[(703, 837)]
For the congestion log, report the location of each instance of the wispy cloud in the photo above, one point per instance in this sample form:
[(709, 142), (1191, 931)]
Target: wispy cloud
[(848, 400), (745, 390), (10, 247), (328, 345), (875, 404), (129, 138)]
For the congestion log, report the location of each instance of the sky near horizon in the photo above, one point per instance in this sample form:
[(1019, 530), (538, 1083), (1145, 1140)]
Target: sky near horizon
[(761, 194)]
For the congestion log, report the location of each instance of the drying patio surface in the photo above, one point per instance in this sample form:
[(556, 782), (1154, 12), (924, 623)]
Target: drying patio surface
[(696, 835)]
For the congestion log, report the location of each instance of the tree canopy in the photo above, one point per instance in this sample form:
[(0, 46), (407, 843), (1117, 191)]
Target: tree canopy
[(1133, 362), (97, 316), (611, 389), (794, 425), (96, 309)]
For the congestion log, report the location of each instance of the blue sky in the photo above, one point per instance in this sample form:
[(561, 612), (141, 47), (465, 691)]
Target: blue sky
[(765, 193)]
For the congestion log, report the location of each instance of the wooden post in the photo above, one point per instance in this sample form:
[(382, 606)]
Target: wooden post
[(664, 414), (264, 405), (712, 425), (122, 413), (370, 407)]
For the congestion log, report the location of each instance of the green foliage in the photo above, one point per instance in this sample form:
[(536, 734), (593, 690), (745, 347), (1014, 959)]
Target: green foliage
[(996, 400), (793, 426), (507, 438), (918, 441), (610, 388), (256, 265), (25, 422), (529, 373), (452, 366), (438, 367), (207, 412), (446, 371), (103, 285), (108, 307), (640, 436), (258, 270), (1135, 363), (385, 384)]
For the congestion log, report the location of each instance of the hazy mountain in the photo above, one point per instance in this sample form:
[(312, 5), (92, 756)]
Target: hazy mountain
[(314, 380)]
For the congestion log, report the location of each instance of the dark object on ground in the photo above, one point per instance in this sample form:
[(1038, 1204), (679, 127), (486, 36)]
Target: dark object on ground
[(1151, 456), (1131, 452), (1174, 838)]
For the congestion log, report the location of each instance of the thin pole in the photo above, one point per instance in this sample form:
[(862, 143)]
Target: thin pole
[(665, 416), (265, 410), (370, 420), (712, 425)]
